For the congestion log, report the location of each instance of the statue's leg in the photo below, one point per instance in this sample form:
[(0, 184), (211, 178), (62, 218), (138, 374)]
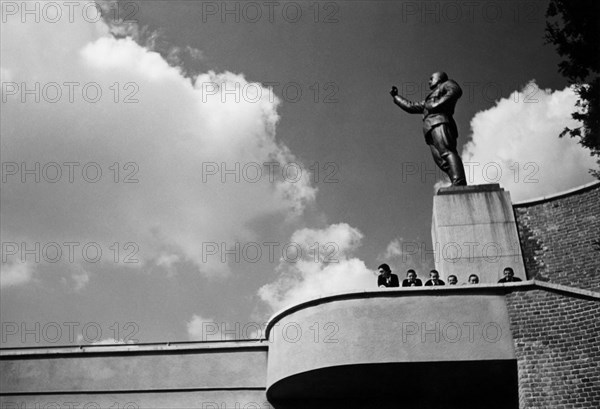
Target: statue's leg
[(437, 158), (436, 154), (445, 143)]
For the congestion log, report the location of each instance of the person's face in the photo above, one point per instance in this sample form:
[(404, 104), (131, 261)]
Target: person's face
[(473, 280), (452, 280), (434, 276), (411, 276), (508, 273), (383, 272)]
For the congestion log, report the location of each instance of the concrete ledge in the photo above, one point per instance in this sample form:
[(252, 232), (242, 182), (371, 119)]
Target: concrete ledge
[(537, 284), (132, 349), (454, 190), (568, 192)]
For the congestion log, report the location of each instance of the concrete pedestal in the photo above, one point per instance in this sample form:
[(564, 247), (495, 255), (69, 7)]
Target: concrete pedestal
[(474, 232)]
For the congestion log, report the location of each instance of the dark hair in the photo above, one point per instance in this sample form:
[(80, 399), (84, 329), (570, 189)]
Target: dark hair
[(411, 271), (385, 267), (474, 275), (434, 271), (452, 275), (509, 269)]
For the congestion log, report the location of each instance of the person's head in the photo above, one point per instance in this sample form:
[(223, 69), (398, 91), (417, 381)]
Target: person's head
[(473, 279), (384, 269), (411, 274), (437, 78), (434, 275), (508, 272), (452, 279)]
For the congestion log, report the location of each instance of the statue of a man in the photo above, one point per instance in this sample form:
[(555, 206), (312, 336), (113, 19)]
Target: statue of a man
[(438, 125)]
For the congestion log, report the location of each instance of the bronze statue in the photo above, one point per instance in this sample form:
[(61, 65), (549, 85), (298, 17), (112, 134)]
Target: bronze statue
[(438, 125)]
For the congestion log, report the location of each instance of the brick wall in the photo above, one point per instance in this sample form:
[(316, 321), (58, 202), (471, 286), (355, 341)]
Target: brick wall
[(560, 238), (557, 348)]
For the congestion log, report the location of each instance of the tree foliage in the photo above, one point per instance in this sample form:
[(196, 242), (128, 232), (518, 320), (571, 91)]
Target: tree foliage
[(573, 27)]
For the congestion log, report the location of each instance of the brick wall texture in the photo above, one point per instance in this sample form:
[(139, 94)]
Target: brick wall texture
[(560, 238), (557, 345)]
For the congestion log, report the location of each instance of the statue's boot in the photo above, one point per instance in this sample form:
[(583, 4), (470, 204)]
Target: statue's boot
[(456, 171)]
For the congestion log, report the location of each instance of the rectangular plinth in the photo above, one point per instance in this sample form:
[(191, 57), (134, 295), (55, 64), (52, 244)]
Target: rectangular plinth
[(474, 232)]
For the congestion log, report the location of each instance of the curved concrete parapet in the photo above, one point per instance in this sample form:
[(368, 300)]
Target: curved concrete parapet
[(385, 343)]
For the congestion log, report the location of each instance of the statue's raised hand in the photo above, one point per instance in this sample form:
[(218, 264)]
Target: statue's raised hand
[(394, 91)]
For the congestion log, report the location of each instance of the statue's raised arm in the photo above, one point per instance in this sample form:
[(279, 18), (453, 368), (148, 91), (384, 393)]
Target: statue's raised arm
[(405, 104)]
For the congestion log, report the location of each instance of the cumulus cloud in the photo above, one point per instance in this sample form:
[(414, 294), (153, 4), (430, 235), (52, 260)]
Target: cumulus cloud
[(516, 143), (393, 250), (81, 278), (147, 135), (120, 17), (15, 273), (168, 262), (322, 263), (200, 328), (205, 329)]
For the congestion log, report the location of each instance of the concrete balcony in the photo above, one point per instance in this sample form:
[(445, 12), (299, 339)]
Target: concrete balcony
[(425, 347)]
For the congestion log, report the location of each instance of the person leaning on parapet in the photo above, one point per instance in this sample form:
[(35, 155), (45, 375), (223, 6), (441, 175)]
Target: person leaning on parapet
[(509, 276), (473, 279), (452, 279), (434, 279), (439, 127), (386, 278), (411, 279)]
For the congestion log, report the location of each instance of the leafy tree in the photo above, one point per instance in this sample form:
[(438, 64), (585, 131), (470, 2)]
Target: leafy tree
[(572, 26)]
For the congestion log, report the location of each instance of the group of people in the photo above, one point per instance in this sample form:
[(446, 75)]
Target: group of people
[(387, 279)]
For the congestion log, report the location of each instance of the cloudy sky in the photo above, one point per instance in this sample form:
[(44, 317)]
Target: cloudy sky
[(180, 170)]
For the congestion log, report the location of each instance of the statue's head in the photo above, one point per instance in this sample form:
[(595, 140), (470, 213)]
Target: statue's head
[(437, 78)]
